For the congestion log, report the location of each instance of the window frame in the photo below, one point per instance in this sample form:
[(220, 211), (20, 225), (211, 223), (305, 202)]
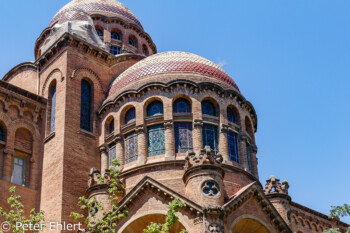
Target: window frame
[(24, 160)]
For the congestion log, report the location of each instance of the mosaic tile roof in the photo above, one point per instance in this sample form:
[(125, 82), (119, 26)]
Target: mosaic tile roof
[(111, 7), (171, 62)]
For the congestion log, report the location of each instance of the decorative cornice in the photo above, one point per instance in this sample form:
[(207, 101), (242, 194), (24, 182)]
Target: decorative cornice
[(197, 123), (168, 124)]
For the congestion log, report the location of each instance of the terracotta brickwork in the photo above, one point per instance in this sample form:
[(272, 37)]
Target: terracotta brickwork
[(177, 122)]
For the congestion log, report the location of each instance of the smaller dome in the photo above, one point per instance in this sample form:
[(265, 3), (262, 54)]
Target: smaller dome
[(73, 15), (110, 8), (170, 62)]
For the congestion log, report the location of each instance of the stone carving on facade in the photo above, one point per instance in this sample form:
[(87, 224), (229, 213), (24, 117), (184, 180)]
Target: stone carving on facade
[(215, 228), (205, 156), (96, 179), (273, 185)]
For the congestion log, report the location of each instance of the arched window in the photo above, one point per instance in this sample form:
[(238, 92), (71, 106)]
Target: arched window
[(248, 157), (210, 137), (144, 50), (132, 42), (231, 116), (2, 134), (99, 32), (85, 111), (155, 108), (111, 127), (208, 108), (112, 154), (130, 143), (53, 108), (115, 50), (183, 137), (249, 128), (116, 36), (182, 106), (130, 116), (156, 140), (233, 146)]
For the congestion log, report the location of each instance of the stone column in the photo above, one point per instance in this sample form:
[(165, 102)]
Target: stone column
[(142, 144), (223, 143), (169, 140), (243, 151), (254, 160), (8, 156), (104, 158), (197, 136), (33, 173), (119, 147)]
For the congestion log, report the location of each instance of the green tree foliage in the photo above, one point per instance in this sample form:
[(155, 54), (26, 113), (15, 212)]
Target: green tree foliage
[(15, 218), (337, 212), (170, 219), (107, 222)]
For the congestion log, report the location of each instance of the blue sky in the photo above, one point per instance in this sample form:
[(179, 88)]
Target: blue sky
[(289, 58)]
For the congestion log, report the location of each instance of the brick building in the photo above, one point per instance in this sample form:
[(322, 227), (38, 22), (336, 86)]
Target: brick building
[(180, 126)]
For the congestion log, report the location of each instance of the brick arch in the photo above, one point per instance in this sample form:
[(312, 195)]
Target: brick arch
[(20, 123), (56, 74), (86, 73), (123, 111), (5, 120), (236, 113), (106, 123), (215, 102), (148, 215), (251, 218), (149, 100)]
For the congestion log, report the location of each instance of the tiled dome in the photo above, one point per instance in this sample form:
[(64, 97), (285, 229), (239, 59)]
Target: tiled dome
[(108, 7), (171, 62)]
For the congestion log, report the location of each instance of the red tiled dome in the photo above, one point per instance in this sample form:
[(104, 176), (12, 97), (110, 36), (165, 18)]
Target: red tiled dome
[(171, 62), (108, 7)]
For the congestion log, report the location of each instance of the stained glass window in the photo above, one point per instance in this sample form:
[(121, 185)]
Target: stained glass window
[(116, 36), (156, 140), (132, 42), (111, 127), (2, 134), (210, 188), (130, 147), (53, 108), (232, 146), (210, 137), (231, 115), (181, 106), (155, 108), (130, 116), (208, 108), (18, 171), (112, 153), (85, 111), (183, 137), (115, 50), (99, 32), (249, 158)]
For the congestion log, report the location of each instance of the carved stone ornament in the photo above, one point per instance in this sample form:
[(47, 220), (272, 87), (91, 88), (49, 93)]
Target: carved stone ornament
[(215, 228), (273, 185), (206, 156)]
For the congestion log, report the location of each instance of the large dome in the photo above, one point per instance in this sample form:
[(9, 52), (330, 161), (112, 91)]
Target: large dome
[(111, 8), (169, 63)]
